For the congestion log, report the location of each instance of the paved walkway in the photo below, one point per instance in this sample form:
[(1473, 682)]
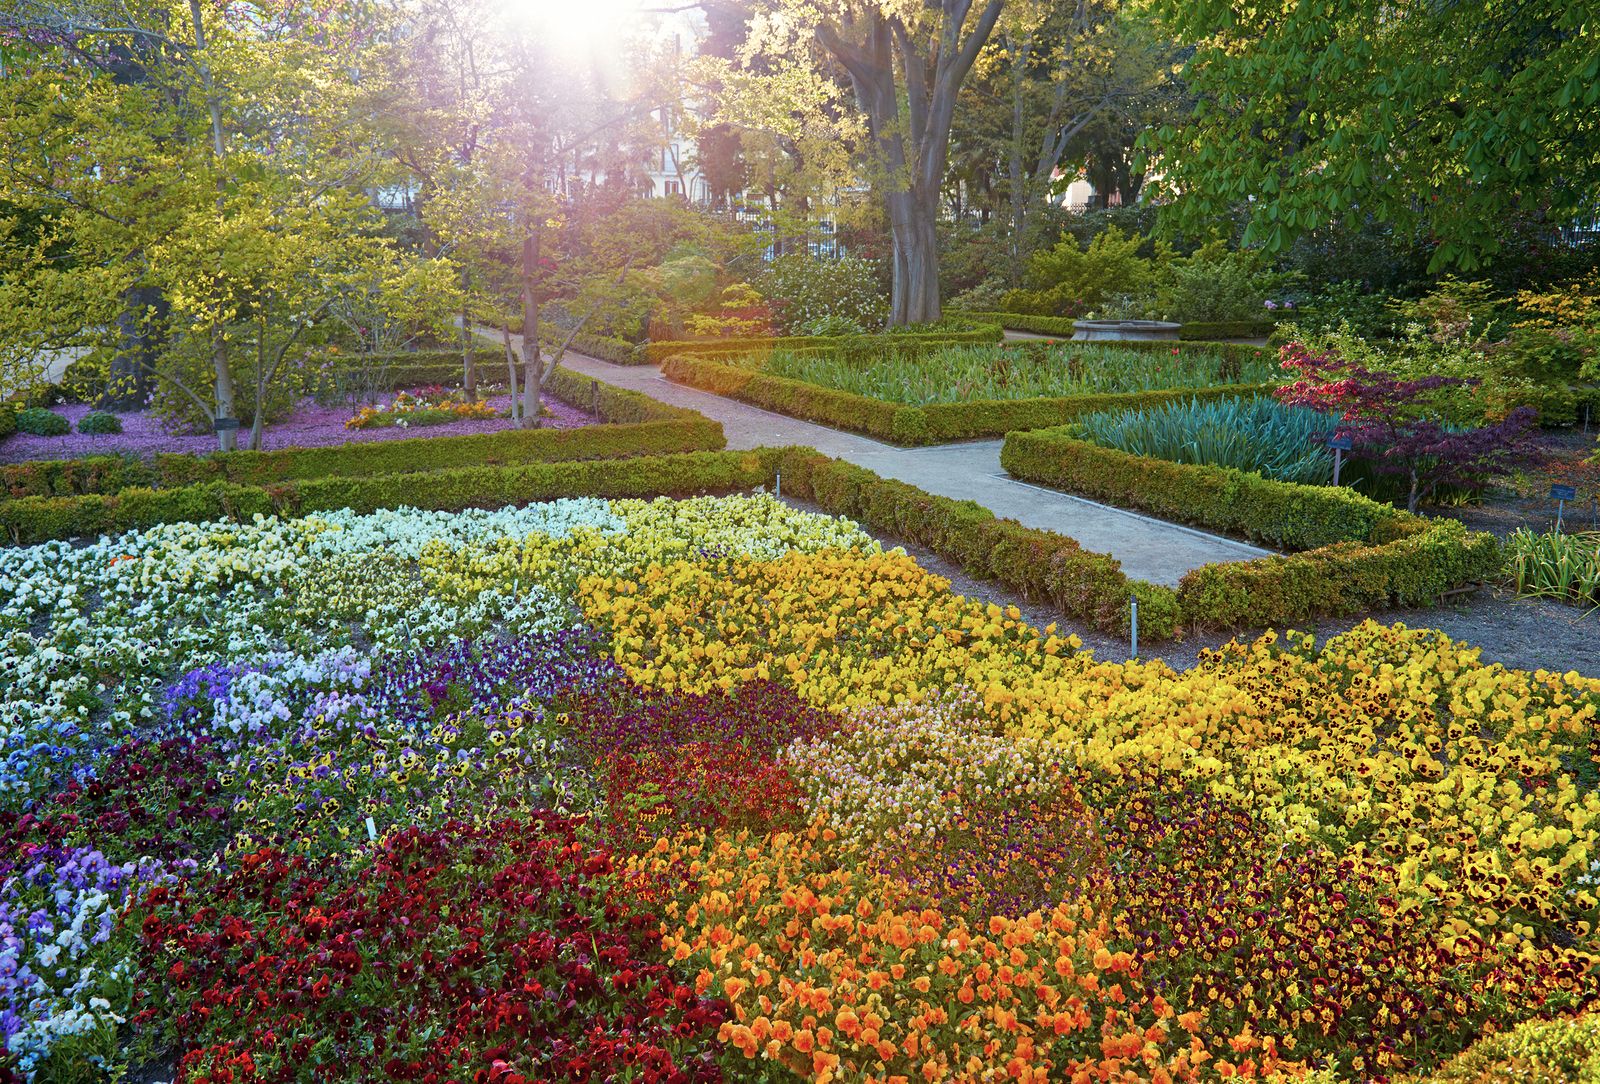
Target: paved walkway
[(1149, 549)]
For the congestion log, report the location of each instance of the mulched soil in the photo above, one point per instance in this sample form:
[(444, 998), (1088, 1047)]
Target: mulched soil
[(1524, 500), (310, 426)]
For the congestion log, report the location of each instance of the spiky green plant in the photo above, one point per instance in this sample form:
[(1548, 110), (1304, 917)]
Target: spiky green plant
[(1256, 434), (954, 374), (1558, 566)]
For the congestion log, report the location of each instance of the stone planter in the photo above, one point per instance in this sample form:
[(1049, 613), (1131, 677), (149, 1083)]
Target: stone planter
[(1125, 330)]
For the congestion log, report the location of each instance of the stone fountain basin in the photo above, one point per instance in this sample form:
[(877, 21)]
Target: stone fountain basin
[(1124, 330)]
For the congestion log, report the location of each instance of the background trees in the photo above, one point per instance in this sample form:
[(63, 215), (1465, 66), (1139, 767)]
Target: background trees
[(1449, 122), (199, 182)]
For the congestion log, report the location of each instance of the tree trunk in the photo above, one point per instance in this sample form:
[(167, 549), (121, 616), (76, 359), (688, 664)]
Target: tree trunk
[(914, 298), (469, 375), (135, 360), (1019, 195), (259, 420), (532, 366), (227, 439), (511, 370)]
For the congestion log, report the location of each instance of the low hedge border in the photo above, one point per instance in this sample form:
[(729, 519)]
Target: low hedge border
[(980, 333), (638, 425), (604, 347), (899, 423), (1210, 330), (37, 519), (1342, 579), (1089, 587), (1017, 321), (1359, 554), (1280, 514)]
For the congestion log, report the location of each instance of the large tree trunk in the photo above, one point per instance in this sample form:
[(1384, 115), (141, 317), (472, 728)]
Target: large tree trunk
[(914, 298), (532, 366), (137, 341), (913, 141), (469, 374), (227, 439)]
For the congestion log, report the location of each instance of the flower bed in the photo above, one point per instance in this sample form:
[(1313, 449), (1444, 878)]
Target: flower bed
[(713, 788), (310, 426), (901, 423)]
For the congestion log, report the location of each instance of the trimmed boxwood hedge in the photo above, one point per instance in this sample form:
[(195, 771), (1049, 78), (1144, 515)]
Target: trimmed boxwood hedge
[(604, 347), (1359, 554), (1090, 587), (639, 426), (36, 519), (1206, 331), (1016, 321), (1341, 579), (1041, 565), (899, 423), (848, 344), (1280, 514)]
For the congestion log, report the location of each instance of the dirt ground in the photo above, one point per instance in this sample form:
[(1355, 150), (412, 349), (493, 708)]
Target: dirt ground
[(1524, 501)]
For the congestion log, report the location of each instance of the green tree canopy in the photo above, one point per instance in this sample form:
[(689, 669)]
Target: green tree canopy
[(1446, 120)]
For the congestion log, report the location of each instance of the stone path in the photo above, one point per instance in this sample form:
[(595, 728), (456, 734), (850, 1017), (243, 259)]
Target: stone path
[(1149, 549)]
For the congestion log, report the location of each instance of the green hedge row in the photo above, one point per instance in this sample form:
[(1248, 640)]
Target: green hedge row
[(1280, 514), (1206, 331), (639, 426), (37, 519), (8, 419), (1342, 579), (1016, 321), (1089, 587), (898, 423), (604, 347), (1358, 554), (861, 344)]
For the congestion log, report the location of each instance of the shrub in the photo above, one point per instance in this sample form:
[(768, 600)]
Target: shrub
[(99, 422), (8, 420), (1215, 284), (1088, 274), (807, 291), (41, 422)]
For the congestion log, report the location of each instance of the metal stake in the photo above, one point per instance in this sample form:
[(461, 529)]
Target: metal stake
[(777, 485), (1134, 626)]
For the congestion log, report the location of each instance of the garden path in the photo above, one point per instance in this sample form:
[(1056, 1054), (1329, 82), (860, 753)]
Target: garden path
[(1149, 549)]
